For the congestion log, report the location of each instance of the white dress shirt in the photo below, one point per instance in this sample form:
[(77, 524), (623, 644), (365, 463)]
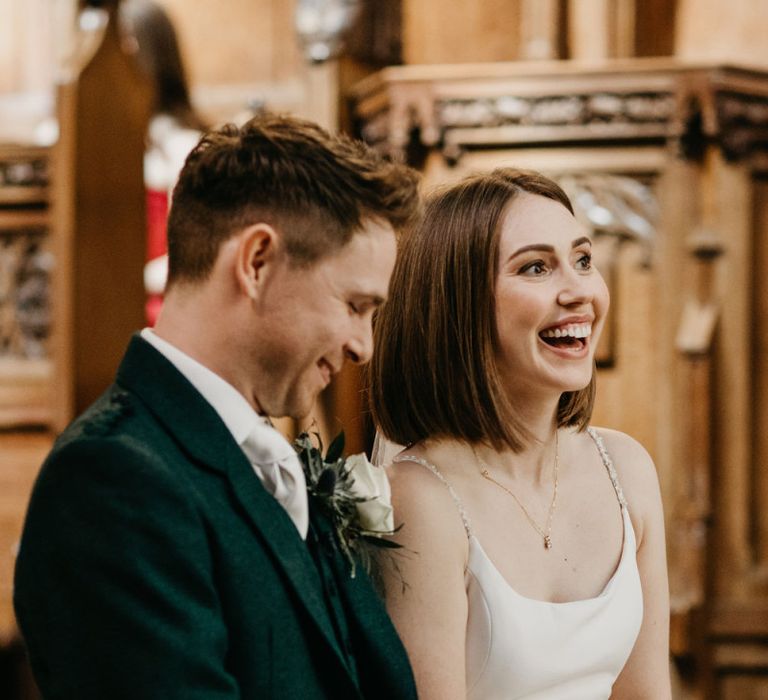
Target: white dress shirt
[(273, 458)]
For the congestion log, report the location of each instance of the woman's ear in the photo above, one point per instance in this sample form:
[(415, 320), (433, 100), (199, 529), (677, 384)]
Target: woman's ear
[(257, 250)]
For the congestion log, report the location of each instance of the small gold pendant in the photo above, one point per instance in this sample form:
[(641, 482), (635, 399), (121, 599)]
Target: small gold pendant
[(547, 542)]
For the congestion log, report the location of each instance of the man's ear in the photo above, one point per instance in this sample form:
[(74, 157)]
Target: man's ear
[(257, 249)]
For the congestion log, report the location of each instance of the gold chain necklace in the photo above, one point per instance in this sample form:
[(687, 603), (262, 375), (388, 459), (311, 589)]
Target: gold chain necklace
[(545, 534)]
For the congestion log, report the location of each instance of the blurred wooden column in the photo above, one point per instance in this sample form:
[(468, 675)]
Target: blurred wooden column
[(322, 83), (435, 31), (99, 223), (688, 260), (600, 29), (731, 31), (540, 30)]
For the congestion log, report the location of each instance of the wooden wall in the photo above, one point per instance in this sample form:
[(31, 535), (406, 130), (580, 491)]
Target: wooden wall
[(241, 51), (460, 32), (732, 31)]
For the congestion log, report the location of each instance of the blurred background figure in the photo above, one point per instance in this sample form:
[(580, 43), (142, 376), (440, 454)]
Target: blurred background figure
[(173, 131)]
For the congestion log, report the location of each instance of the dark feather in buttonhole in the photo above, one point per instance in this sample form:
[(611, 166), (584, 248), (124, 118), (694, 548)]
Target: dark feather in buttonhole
[(326, 482)]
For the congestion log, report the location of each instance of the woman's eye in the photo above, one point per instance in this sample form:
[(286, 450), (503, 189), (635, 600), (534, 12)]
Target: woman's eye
[(533, 268), (584, 262), (353, 307)]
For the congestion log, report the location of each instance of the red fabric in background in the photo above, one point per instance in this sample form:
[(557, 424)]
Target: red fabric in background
[(157, 243), (157, 217)]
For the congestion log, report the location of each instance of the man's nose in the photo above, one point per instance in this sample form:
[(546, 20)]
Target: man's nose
[(359, 347)]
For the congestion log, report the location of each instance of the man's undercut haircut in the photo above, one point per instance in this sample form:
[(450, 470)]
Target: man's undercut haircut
[(315, 189), (434, 371)]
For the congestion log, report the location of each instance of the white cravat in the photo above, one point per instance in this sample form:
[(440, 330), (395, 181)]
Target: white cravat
[(278, 466)]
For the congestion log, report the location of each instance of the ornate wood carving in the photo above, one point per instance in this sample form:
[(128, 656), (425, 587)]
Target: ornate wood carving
[(24, 287), (494, 105), (25, 267), (24, 260), (743, 123)]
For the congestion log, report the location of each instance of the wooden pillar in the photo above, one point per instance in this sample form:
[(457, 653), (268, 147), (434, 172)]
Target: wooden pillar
[(323, 94), (729, 189), (678, 203), (760, 369), (99, 222), (601, 29), (435, 31), (540, 30)]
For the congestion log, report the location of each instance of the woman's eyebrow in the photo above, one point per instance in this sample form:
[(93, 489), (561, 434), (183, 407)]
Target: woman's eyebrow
[(544, 247)]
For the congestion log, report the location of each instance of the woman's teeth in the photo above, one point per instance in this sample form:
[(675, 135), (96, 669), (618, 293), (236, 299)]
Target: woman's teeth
[(577, 330)]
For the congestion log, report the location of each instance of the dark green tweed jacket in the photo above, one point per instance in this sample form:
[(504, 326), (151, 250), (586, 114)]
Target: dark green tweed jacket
[(154, 565)]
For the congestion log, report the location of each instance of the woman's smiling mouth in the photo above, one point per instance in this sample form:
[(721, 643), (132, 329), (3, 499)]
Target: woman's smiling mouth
[(574, 336)]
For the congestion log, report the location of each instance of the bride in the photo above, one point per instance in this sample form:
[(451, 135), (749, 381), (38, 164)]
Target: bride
[(534, 562)]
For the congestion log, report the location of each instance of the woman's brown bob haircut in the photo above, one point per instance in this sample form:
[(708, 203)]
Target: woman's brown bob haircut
[(434, 371), (315, 189)]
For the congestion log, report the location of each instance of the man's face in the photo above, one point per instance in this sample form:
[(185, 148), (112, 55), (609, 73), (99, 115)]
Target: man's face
[(313, 319)]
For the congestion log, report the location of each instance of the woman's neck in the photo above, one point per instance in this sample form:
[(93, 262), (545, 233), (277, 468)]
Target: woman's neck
[(539, 421)]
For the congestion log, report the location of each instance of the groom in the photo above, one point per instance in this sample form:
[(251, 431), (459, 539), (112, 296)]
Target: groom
[(169, 550)]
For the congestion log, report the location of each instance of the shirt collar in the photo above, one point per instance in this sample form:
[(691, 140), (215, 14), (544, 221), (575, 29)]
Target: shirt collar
[(233, 408)]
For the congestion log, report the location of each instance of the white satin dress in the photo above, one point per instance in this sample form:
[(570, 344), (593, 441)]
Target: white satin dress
[(518, 648)]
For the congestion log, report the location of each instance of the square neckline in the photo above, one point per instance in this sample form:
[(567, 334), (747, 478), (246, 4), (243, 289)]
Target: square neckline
[(628, 531), (628, 537)]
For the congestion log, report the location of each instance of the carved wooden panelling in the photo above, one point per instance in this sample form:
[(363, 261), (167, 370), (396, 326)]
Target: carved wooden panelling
[(584, 110), (24, 292), (25, 262), (25, 268), (742, 122), (662, 100)]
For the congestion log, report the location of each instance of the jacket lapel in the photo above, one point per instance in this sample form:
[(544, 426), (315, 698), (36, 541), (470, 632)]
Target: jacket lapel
[(202, 434)]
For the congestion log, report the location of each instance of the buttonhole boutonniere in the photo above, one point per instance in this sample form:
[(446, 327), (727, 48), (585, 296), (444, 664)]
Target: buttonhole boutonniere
[(352, 493)]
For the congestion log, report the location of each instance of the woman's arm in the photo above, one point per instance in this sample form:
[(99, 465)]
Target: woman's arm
[(425, 591), (646, 673)]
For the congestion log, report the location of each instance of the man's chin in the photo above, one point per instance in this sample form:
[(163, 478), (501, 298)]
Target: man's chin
[(301, 410)]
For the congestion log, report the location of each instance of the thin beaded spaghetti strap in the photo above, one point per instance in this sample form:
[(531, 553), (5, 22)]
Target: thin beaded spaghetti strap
[(436, 472), (608, 462)]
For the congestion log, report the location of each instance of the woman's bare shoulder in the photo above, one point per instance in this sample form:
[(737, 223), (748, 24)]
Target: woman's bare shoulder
[(624, 449), (636, 473), (423, 504)]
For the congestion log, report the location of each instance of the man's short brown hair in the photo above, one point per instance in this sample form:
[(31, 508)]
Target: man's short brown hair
[(314, 188), (434, 371)]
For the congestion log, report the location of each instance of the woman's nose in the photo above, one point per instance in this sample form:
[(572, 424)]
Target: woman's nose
[(576, 288)]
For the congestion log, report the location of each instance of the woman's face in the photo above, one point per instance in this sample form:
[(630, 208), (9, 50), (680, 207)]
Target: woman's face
[(550, 301)]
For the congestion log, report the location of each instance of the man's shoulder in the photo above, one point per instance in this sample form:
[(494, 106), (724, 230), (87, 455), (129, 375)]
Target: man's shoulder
[(115, 415), (116, 435)]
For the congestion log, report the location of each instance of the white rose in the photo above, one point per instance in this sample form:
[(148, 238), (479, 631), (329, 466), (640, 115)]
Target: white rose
[(371, 483)]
